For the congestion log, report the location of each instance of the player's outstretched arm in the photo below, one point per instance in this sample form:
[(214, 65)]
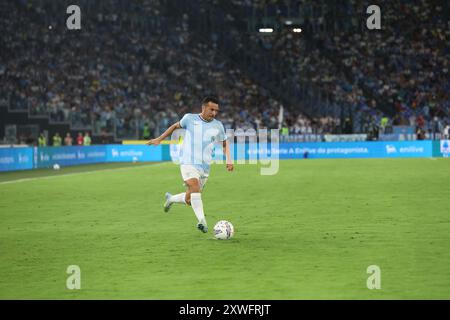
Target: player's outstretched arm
[(226, 152), (166, 133)]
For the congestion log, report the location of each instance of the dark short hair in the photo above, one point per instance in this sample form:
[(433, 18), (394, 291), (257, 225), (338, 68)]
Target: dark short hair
[(212, 99)]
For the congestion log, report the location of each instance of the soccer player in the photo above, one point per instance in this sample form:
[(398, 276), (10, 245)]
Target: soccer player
[(202, 132)]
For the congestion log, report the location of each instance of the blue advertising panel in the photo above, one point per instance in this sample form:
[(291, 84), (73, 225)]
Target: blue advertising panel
[(331, 150), (27, 158), (378, 149), (407, 149), (69, 156), (403, 129), (12, 159), (397, 137), (130, 153)]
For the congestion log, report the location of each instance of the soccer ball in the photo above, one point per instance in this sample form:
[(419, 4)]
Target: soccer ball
[(223, 230), (56, 166)]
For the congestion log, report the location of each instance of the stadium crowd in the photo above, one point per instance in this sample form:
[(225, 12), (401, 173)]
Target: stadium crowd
[(118, 76), (133, 74), (401, 70)]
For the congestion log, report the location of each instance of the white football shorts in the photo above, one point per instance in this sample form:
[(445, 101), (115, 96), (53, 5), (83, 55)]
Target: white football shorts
[(190, 172)]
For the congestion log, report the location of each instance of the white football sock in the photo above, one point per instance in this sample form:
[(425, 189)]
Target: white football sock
[(178, 198), (197, 206)]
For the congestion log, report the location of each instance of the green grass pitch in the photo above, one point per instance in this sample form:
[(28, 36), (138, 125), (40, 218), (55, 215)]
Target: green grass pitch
[(308, 232)]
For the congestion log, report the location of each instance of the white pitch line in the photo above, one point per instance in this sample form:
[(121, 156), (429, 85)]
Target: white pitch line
[(78, 173)]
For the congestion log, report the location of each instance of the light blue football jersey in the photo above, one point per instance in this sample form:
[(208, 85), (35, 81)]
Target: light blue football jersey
[(198, 144)]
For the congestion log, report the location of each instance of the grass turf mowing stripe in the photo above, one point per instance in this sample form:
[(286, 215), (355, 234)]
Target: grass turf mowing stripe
[(23, 176), (310, 231)]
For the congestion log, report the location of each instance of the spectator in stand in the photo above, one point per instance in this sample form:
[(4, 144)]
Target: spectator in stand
[(42, 141), (68, 139), (57, 140), (420, 134), (447, 132), (104, 137), (80, 139), (146, 132), (87, 139)]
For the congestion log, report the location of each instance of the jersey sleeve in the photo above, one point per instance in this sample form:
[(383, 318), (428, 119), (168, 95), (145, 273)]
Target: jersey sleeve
[(184, 121)]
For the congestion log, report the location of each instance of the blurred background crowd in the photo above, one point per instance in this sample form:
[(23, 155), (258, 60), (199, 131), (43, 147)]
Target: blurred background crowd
[(136, 67)]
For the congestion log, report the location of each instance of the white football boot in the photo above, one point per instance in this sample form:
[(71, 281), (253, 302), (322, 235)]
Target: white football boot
[(168, 203)]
